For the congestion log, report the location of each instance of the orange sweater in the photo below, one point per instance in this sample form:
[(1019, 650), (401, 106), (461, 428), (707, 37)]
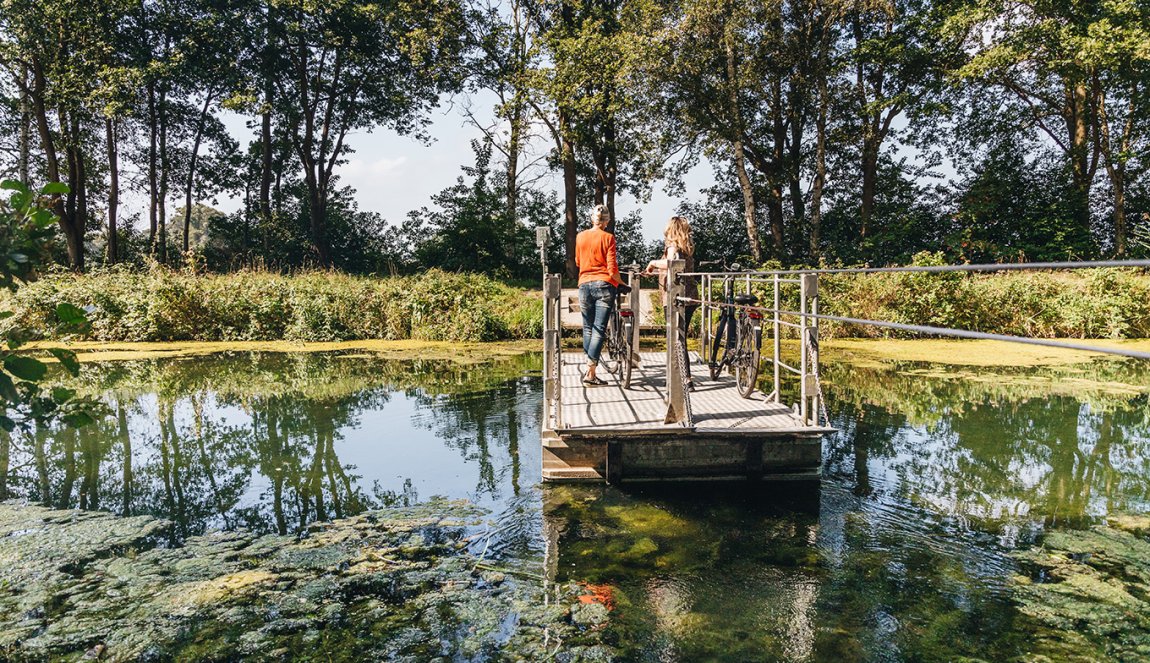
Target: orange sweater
[(595, 255)]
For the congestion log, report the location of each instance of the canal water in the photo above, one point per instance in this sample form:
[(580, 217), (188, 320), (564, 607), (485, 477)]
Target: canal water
[(904, 550)]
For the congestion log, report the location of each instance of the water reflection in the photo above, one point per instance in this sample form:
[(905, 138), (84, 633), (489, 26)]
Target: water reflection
[(998, 450), (901, 552), (274, 442)]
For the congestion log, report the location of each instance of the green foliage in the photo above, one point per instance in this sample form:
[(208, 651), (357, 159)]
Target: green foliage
[(1009, 209), (27, 231), (166, 305), (472, 230), (1103, 303)]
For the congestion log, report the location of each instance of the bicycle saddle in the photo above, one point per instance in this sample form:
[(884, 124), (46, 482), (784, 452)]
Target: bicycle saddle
[(746, 300)]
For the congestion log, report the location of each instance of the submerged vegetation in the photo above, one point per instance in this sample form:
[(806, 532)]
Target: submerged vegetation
[(397, 584), (1087, 592)]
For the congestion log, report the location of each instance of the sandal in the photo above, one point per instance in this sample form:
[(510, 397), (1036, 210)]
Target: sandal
[(594, 382)]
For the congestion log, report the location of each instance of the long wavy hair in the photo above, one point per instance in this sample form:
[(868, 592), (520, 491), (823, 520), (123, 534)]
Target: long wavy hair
[(678, 232)]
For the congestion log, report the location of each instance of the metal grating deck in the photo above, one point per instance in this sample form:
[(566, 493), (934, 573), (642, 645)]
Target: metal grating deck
[(716, 406)]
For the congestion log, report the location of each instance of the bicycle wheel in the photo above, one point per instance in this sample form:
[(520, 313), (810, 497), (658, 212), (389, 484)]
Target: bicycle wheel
[(626, 364), (609, 359), (747, 361), (717, 345)]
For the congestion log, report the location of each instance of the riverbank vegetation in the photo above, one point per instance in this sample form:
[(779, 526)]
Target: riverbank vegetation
[(165, 305), (162, 305)]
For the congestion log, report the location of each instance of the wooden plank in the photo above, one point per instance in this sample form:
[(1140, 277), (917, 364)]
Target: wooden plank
[(715, 405)]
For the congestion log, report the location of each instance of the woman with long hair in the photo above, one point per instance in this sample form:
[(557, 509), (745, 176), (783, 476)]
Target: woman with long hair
[(599, 280), (677, 245)]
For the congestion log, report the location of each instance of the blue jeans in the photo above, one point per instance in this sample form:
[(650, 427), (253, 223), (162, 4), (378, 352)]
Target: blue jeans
[(596, 301)]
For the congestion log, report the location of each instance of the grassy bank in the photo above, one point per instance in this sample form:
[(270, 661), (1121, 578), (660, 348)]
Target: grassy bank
[(1095, 303), (161, 305)]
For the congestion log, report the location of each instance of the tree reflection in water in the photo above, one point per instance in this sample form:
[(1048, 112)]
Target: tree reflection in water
[(903, 547), (997, 448), (254, 440)]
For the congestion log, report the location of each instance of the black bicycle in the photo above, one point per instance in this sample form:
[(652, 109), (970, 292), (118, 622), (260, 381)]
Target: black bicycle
[(738, 338), (618, 352)]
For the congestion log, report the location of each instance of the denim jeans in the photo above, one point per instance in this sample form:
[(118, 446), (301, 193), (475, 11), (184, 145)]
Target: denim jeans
[(596, 300)]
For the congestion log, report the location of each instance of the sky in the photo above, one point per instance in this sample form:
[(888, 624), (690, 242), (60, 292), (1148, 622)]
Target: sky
[(395, 174)]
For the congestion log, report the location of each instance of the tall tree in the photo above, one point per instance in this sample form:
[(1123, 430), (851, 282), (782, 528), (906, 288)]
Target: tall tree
[(354, 64), (1079, 69)]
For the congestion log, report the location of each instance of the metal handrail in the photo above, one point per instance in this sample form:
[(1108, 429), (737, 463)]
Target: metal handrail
[(985, 267), (939, 331)]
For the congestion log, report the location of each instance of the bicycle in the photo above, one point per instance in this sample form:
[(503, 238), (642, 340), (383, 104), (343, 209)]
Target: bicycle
[(738, 336), (619, 356)]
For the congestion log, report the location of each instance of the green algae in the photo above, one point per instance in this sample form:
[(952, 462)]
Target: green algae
[(1086, 593), (395, 584)]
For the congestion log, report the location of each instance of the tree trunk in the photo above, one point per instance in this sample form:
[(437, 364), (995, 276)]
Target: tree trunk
[(52, 160), (611, 174), (1118, 181), (748, 203), (740, 159), (820, 167), (192, 168), (153, 170), (570, 194), (794, 160), (165, 167), (266, 134), (775, 174), (25, 129), (76, 203), (514, 146), (1082, 173), (80, 221), (869, 181), (113, 251)]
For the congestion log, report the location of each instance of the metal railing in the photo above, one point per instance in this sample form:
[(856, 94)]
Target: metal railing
[(806, 319), (810, 406)]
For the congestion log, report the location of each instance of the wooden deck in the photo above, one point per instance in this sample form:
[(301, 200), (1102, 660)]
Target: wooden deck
[(613, 433), (714, 405)]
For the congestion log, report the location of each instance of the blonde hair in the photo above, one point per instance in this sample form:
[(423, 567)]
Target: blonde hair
[(600, 215), (678, 232)]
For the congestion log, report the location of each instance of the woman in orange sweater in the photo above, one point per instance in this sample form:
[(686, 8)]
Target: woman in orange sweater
[(598, 282)]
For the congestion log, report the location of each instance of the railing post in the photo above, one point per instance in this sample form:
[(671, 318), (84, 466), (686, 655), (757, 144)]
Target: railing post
[(635, 301), (677, 407), (815, 389), (552, 358), (705, 317), (809, 292), (778, 340)]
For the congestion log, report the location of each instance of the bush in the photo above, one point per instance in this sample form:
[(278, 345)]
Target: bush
[(163, 305), (1094, 303)]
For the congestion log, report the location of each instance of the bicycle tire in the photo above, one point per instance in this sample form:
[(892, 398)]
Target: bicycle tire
[(715, 364), (608, 358), (747, 364), (627, 364)]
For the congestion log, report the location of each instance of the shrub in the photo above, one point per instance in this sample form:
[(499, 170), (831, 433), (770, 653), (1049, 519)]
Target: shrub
[(163, 305)]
